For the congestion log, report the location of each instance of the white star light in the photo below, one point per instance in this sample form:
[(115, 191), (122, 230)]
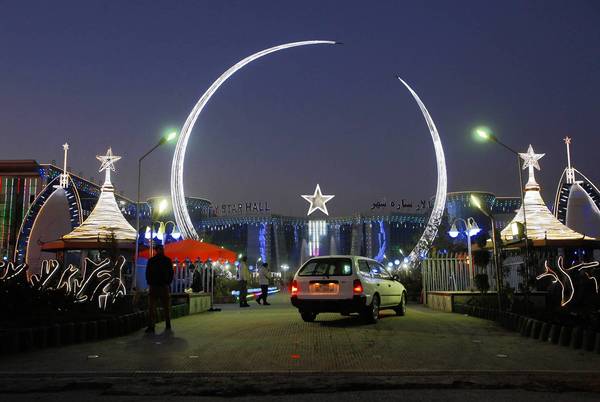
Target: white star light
[(531, 161), (318, 201), (531, 158), (108, 160)]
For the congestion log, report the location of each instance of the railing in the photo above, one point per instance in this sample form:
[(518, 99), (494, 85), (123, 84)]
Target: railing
[(188, 275), (450, 272)]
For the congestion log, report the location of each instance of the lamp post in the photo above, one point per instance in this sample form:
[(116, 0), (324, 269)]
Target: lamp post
[(167, 138), (471, 229), (477, 202), (485, 134)]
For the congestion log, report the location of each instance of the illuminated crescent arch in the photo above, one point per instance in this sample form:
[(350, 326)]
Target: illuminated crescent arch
[(435, 218), (182, 216)]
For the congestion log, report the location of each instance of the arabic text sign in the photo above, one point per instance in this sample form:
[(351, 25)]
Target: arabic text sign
[(402, 205)]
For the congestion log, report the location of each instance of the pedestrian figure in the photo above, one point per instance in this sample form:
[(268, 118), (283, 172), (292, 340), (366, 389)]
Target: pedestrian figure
[(264, 276), (197, 276), (159, 275), (244, 278)]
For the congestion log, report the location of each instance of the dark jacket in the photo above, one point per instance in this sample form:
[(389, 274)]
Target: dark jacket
[(159, 271)]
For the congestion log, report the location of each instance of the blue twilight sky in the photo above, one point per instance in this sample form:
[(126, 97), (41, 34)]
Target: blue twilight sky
[(118, 73)]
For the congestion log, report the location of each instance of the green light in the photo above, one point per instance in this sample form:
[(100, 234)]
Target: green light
[(483, 133), (476, 201), (172, 135)]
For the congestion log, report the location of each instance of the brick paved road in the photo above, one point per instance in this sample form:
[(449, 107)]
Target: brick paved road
[(274, 339)]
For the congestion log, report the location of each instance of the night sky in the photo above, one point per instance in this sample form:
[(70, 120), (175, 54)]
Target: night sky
[(120, 73)]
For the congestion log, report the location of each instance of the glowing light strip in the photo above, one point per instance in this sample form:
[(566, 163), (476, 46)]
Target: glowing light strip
[(588, 181), (12, 185), (41, 198), (588, 265), (557, 196), (256, 291), (107, 281), (424, 243), (4, 212), (571, 291), (182, 216), (592, 279), (7, 268)]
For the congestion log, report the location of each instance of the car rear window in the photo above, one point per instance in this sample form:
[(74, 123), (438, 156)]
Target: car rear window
[(327, 267)]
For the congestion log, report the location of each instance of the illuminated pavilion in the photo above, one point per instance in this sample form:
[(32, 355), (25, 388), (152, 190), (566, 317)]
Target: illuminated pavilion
[(105, 227), (542, 227)]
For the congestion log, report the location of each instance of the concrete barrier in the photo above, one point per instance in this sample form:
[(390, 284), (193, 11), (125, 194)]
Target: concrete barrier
[(67, 333), (554, 334), (113, 327), (528, 328), (545, 332), (523, 326), (39, 337), (91, 331), (537, 328), (53, 335), (102, 329), (577, 338), (565, 336), (9, 341), (589, 337), (25, 339)]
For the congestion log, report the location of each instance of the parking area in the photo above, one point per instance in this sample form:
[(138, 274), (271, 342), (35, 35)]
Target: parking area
[(275, 339)]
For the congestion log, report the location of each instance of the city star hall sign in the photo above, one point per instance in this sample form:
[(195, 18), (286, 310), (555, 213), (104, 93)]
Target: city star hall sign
[(241, 208)]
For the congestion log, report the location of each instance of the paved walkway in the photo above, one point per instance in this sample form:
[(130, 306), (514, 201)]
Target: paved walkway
[(275, 339)]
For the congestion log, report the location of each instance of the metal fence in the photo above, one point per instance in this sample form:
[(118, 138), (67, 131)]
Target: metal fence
[(450, 272), (188, 275)]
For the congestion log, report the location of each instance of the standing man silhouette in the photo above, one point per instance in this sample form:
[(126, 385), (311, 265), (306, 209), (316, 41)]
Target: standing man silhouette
[(159, 275), (244, 278)]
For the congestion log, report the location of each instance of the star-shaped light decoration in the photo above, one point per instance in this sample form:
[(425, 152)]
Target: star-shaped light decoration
[(108, 164), (530, 160), (318, 201), (108, 160)]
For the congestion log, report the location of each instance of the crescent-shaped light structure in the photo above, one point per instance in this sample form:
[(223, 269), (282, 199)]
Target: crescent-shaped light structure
[(182, 216), (424, 243)]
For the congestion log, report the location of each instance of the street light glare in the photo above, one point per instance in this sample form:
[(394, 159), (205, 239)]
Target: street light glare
[(172, 135), (476, 201), (483, 133), (163, 205)]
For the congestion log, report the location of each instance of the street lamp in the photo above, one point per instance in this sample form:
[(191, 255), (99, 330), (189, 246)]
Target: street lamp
[(166, 138), (477, 202), (285, 268), (484, 133), (471, 229)]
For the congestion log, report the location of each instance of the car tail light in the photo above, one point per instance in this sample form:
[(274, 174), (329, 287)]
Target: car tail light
[(294, 288), (357, 287)]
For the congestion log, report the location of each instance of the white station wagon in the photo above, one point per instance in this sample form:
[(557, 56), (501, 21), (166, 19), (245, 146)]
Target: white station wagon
[(346, 284)]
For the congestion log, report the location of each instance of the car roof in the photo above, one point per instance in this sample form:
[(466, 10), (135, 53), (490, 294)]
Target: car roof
[(342, 256)]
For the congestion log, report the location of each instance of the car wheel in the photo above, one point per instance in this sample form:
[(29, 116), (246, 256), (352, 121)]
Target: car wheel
[(371, 313), (308, 316), (401, 308)]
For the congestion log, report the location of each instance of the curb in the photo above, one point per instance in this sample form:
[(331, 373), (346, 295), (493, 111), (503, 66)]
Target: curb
[(67, 333), (576, 338)]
